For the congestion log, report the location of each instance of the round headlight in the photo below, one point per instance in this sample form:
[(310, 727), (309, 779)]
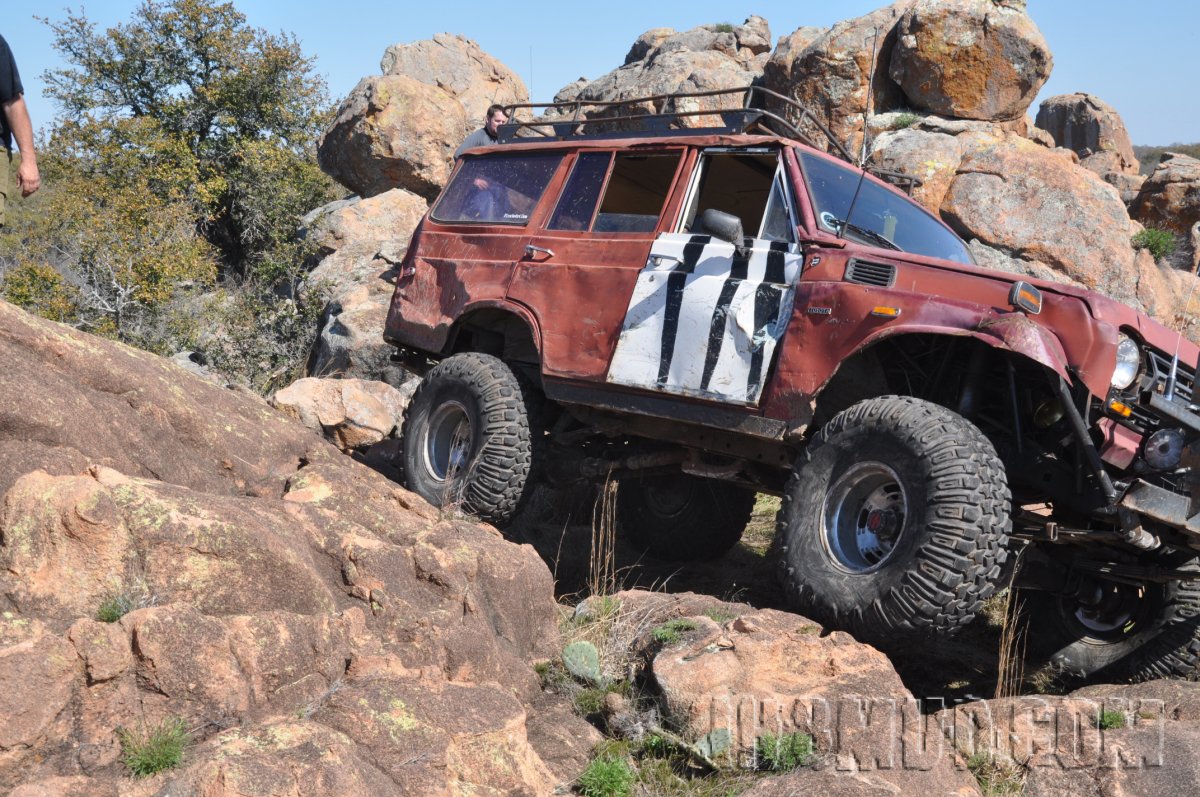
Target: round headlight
[(1129, 360)]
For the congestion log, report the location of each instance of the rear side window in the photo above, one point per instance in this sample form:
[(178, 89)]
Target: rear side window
[(497, 189), (624, 192)]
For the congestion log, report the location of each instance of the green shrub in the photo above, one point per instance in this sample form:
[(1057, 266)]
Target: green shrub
[(723, 27), (607, 777), (785, 752), (903, 121), (1160, 242), (1110, 719), (671, 632), (113, 608), (150, 750), (719, 615)]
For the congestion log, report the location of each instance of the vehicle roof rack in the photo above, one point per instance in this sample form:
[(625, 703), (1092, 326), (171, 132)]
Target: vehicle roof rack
[(579, 120)]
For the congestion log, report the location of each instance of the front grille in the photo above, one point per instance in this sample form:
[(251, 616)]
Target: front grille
[(1158, 367), (881, 275)]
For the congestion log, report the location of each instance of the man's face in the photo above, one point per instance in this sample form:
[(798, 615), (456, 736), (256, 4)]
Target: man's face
[(494, 121)]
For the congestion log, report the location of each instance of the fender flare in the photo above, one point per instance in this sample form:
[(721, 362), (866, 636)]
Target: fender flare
[(516, 310)]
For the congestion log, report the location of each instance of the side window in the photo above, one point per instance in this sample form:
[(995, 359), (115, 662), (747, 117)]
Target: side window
[(497, 188), (746, 185), (636, 192), (582, 192)]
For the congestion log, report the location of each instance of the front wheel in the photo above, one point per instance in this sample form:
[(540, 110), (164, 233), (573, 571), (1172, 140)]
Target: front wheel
[(1120, 632), (466, 437), (895, 520), (683, 518)]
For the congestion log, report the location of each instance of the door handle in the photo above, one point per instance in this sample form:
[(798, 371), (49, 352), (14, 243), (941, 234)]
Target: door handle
[(662, 260), (531, 250)]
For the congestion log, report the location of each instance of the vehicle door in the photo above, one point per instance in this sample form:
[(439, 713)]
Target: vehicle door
[(465, 251), (707, 314), (579, 269)]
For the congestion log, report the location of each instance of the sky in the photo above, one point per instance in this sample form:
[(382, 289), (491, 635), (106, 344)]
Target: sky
[(1139, 58)]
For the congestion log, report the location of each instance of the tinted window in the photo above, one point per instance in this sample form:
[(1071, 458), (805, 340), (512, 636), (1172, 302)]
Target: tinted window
[(582, 192), (497, 189), (880, 218)]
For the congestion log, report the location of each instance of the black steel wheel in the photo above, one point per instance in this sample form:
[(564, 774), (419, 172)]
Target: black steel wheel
[(466, 437), (1120, 632), (895, 520), (679, 517)]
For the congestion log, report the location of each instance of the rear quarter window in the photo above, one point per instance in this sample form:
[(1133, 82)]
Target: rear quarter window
[(497, 188)]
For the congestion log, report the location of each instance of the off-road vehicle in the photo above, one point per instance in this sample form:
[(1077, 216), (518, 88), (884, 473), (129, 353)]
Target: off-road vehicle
[(707, 311)]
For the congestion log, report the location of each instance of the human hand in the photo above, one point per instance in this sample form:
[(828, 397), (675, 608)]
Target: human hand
[(481, 183), (29, 179)]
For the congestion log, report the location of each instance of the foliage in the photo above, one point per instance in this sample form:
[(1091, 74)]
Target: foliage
[(1160, 242), (119, 603), (226, 111), (672, 631), (719, 615), (607, 776), (583, 661), (723, 27), (41, 290), (784, 752), (1110, 719), (150, 750), (996, 777), (904, 120)]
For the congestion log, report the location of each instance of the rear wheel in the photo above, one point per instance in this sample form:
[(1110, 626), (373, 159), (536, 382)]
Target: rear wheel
[(1118, 631), (682, 517), (466, 437), (895, 520)]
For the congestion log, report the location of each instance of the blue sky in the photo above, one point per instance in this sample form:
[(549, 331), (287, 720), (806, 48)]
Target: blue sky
[(1140, 57)]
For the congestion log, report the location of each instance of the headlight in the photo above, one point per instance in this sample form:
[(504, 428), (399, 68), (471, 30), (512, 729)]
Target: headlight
[(1129, 360)]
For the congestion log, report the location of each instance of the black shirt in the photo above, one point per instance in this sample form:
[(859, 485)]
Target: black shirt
[(10, 89)]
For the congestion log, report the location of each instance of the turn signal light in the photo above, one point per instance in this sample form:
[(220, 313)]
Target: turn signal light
[(1123, 410), (886, 312), (1024, 296)]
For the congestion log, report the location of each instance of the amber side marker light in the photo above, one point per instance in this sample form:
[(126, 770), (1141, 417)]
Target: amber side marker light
[(886, 312), (1024, 296), (1123, 410)]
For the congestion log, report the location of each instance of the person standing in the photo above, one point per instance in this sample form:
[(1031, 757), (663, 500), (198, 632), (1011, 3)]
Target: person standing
[(486, 135), (15, 123)]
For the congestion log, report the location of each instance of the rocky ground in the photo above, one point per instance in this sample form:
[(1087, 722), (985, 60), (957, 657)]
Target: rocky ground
[(179, 555)]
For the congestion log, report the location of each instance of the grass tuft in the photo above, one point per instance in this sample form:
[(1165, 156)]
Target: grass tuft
[(784, 752), (904, 121), (607, 776), (672, 631), (1110, 719), (996, 777), (149, 750)]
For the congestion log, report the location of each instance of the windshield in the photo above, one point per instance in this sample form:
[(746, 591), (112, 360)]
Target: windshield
[(880, 217)]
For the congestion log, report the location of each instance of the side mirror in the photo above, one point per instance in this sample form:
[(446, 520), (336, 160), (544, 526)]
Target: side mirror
[(725, 226)]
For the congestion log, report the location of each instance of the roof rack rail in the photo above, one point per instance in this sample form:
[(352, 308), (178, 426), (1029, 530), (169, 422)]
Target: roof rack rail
[(581, 119)]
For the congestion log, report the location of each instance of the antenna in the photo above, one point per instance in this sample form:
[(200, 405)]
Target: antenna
[(862, 158)]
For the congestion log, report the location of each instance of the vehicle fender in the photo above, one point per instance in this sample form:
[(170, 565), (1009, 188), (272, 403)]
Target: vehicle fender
[(1022, 335)]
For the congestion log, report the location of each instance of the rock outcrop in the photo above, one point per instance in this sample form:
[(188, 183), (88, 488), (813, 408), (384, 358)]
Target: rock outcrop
[(351, 413), (1170, 197), (393, 131), (1092, 129), (662, 61), (460, 67), (972, 59), (318, 629)]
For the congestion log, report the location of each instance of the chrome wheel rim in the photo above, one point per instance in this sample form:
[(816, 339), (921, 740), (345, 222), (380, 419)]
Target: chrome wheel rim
[(447, 447), (865, 515)]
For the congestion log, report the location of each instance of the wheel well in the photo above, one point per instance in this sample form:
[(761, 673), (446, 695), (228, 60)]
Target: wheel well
[(986, 384), (497, 332)]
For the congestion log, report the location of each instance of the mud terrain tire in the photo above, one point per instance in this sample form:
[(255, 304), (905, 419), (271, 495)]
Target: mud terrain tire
[(466, 437), (682, 518), (895, 521), (1160, 637)]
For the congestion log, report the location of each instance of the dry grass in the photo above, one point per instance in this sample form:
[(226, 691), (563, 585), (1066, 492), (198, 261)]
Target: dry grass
[(1010, 676)]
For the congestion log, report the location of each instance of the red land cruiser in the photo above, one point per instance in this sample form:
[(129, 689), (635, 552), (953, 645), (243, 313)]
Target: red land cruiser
[(707, 313)]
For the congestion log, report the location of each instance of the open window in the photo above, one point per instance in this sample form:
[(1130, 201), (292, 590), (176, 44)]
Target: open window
[(746, 184), (615, 192)]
